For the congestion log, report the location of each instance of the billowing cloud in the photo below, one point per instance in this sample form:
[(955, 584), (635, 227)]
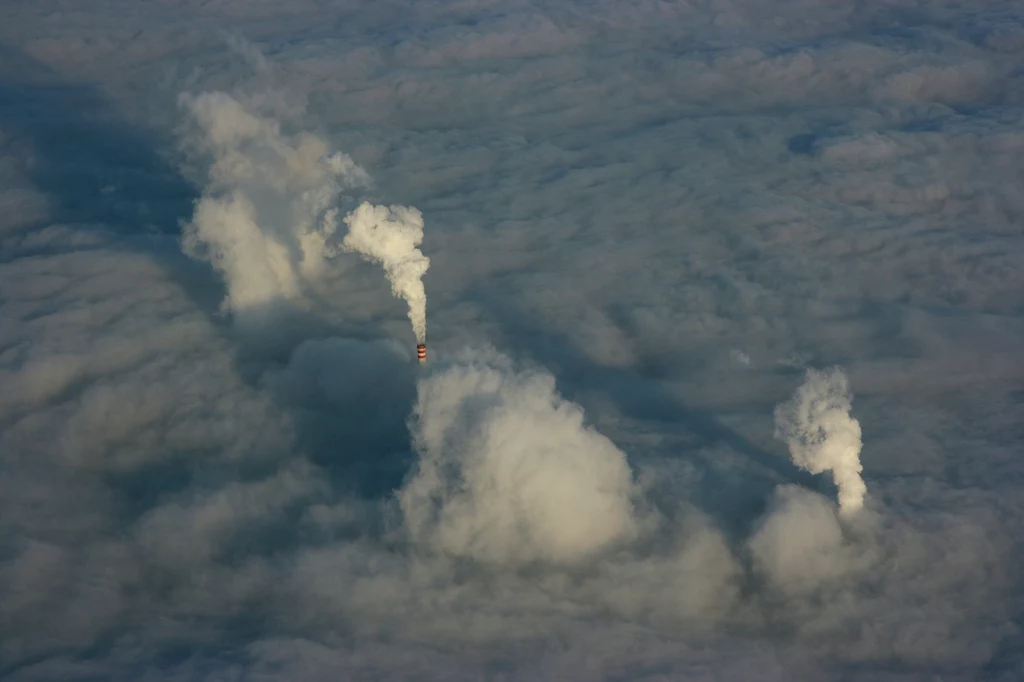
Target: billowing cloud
[(509, 473), (799, 544), (268, 209), (390, 235), (822, 436)]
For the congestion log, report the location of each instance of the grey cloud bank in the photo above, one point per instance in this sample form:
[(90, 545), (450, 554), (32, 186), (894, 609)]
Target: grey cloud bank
[(651, 229)]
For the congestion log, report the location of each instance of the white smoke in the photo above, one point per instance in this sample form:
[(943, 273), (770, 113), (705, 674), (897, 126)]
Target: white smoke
[(508, 471), (389, 235), (821, 434), (267, 211)]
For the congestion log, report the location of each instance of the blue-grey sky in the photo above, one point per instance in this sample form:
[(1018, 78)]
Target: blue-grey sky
[(724, 319)]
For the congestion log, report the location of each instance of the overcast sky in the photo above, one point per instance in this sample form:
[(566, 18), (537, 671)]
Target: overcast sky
[(724, 318)]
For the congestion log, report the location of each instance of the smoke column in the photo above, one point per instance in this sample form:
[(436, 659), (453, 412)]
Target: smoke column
[(267, 212), (389, 235), (821, 435)]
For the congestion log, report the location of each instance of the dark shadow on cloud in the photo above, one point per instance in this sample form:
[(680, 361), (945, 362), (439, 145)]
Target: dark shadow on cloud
[(347, 390), (265, 336), (94, 165), (802, 144), (99, 172), (350, 399), (1008, 656)]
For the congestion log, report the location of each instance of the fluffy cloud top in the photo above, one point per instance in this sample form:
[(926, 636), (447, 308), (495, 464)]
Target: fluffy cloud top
[(269, 206), (508, 471), (821, 435)]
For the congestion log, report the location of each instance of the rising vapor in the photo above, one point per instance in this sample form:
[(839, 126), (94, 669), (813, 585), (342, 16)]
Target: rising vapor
[(821, 434), (389, 235), (508, 471), (267, 211)]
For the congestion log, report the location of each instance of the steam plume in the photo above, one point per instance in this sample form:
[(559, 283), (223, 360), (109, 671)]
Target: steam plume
[(509, 473), (389, 235), (821, 435), (267, 211)]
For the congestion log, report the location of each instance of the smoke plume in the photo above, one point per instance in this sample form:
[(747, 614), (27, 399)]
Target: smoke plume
[(821, 435), (508, 471), (389, 235), (267, 210)]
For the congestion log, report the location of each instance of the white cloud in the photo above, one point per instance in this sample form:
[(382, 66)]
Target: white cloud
[(389, 235), (509, 473), (799, 545), (822, 436), (268, 210)]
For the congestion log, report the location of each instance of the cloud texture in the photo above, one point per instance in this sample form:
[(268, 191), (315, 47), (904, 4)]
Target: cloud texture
[(822, 436), (268, 208), (508, 472), (389, 235), (668, 244)]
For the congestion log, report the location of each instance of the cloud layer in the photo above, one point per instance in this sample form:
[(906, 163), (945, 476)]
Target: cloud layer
[(650, 229)]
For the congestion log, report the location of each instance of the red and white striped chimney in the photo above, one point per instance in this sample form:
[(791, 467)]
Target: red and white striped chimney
[(421, 352)]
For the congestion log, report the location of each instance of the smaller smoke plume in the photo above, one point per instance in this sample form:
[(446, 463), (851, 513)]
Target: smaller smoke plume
[(389, 235), (821, 435)]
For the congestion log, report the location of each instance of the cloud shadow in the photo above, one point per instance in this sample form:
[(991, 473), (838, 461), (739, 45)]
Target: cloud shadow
[(95, 166)]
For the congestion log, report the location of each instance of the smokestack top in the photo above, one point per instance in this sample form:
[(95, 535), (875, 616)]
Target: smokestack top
[(421, 352)]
